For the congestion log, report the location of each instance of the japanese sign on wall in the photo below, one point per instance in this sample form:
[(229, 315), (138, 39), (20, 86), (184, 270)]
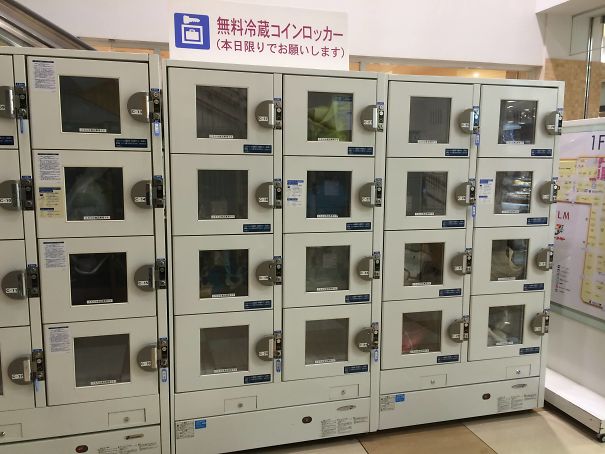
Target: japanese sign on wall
[(579, 263), (224, 32)]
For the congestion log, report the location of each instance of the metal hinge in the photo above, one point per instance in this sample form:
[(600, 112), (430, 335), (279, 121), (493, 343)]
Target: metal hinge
[(26, 370), (372, 118), (370, 194), (465, 192), (269, 195), (270, 347), (270, 272), (540, 324), (549, 191), (468, 121), (368, 268), (458, 331), (158, 194), (269, 114), (462, 263), (152, 357)]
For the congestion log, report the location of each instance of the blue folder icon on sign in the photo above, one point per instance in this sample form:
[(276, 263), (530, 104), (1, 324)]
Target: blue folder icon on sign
[(191, 31)]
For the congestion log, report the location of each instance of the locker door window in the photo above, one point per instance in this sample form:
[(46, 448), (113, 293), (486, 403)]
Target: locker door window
[(505, 325), (222, 112), (102, 360), (426, 194), (90, 104), (326, 341), (429, 120), (222, 194), (327, 268), (513, 192), (421, 332), (94, 193), (517, 122), (423, 264), (98, 278), (223, 273), (509, 260), (329, 117), (224, 349), (328, 194)]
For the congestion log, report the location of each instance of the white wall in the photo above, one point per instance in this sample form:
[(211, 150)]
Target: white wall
[(474, 31)]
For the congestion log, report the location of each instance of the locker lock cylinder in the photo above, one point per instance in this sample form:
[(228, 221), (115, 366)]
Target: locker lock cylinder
[(549, 191), (21, 284), (370, 194), (269, 272), (148, 193), (153, 356), (151, 277), (17, 195), (372, 118), (468, 121), (367, 339), (544, 258), (269, 195), (269, 348), (553, 123), (25, 369), (269, 114), (7, 102), (458, 331), (368, 268), (462, 264), (540, 324), (145, 106), (465, 193)]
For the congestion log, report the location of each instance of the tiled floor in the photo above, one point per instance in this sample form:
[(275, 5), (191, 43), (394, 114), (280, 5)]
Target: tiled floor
[(545, 431)]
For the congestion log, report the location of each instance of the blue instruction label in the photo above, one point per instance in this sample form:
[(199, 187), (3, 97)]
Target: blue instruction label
[(130, 143), (254, 228), (529, 350), (450, 292), (7, 140), (359, 225), (453, 224), (541, 152), (361, 151), (456, 152), (261, 304), (537, 221), (356, 369), (357, 298), (533, 287), (448, 359), (259, 149), (200, 424)]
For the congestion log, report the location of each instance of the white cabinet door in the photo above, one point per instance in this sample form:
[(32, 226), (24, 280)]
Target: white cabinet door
[(100, 360), (513, 192), (424, 120), (16, 388), (422, 194), (91, 193), (321, 341), (418, 264), (324, 269), (415, 333), (11, 218), (96, 278), (514, 121), (215, 112), (323, 116), (221, 273), (83, 104), (14, 305), (327, 194), (215, 195), (511, 260), (501, 325), (8, 122), (220, 350)]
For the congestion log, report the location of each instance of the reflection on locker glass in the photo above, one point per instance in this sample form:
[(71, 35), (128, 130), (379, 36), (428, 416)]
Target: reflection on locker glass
[(423, 264), (222, 194), (223, 349), (517, 122), (426, 194), (222, 112), (505, 325), (98, 278), (328, 194), (326, 341), (94, 193), (421, 332), (329, 116), (509, 259), (223, 273), (513, 192), (429, 120), (327, 268), (102, 360)]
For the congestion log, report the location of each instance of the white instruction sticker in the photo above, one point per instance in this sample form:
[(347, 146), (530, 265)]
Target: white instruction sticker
[(50, 202), (184, 429), (387, 403), (129, 448), (485, 190), (295, 195), (50, 166), (329, 428), (60, 339), (54, 254), (45, 75)]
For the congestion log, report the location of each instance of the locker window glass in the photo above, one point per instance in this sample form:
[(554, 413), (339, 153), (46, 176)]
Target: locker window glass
[(224, 349), (102, 360), (517, 122), (221, 112), (222, 194), (94, 193), (509, 260), (426, 194), (99, 278), (326, 341), (505, 325), (330, 117), (328, 194), (223, 273), (421, 332), (327, 268), (90, 104), (429, 119), (513, 192), (423, 264)]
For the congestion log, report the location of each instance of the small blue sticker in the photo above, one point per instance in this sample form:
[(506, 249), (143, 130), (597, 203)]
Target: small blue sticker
[(250, 379), (474, 211), (537, 221), (278, 366), (541, 152), (529, 350), (357, 298), (130, 143), (7, 140), (448, 359), (477, 139), (533, 287), (192, 31), (356, 369), (157, 129), (254, 228), (376, 355), (453, 224), (164, 374), (399, 398), (450, 292), (359, 225), (456, 152), (200, 424), (258, 149), (361, 151), (260, 304)]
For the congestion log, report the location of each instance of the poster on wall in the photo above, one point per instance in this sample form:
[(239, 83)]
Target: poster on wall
[(579, 262), (246, 33)]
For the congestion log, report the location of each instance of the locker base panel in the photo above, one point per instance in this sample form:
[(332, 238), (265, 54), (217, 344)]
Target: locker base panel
[(219, 434), (577, 401), (64, 420), (241, 399), (458, 402), (458, 374), (132, 441)]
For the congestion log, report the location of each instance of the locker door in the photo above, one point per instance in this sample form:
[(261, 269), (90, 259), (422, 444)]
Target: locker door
[(429, 120), (100, 360), (503, 326), (516, 122), (326, 341), (415, 333), (8, 122), (16, 385), (11, 218), (14, 305), (222, 194), (88, 104), (323, 269), (96, 278), (330, 116), (221, 273), (221, 112), (222, 350)]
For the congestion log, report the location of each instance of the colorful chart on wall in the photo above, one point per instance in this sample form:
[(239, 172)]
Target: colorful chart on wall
[(579, 263)]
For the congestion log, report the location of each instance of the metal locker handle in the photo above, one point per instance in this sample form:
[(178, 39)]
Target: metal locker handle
[(466, 121), (265, 195), (549, 191), (138, 107), (365, 268), (265, 114), (553, 123), (367, 195), (141, 194), (147, 358), (372, 118), (20, 371), (10, 195), (540, 324), (144, 278), (458, 330), (8, 94), (364, 340), (465, 193), (14, 285), (544, 258), (265, 348)]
